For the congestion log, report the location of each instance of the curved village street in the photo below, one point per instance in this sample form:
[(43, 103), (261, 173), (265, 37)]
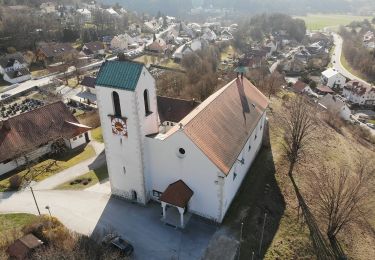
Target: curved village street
[(336, 59)]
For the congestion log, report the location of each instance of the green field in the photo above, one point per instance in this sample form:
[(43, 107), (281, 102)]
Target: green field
[(320, 21), (14, 221)]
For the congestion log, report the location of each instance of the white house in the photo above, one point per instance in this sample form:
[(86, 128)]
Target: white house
[(30, 135), (359, 93), (332, 78), (189, 47), (122, 42), (85, 14), (301, 87), (209, 35), (48, 7), (194, 166), (93, 48), (271, 44), (14, 68), (336, 106)]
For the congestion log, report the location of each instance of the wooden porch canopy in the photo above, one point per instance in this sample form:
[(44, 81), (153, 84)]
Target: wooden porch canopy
[(177, 194)]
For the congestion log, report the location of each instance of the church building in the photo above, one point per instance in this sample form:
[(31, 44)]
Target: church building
[(190, 157)]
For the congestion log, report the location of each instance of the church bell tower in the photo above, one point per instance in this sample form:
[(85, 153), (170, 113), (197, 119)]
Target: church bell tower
[(126, 98)]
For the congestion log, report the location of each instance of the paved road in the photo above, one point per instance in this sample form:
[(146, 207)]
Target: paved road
[(336, 59), (90, 212)]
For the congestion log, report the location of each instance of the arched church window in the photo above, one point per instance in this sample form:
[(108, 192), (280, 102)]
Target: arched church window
[(116, 103), (146, 102)]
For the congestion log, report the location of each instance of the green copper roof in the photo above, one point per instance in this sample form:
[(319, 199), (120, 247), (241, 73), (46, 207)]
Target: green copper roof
[(240, 69), (119, 74)]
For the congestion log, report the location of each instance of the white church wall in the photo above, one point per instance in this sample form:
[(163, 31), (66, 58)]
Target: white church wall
[(149, 123), (195, 169), (124, 155), (232, 184)]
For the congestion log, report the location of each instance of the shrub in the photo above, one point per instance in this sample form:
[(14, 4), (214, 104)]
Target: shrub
[(15, 182)]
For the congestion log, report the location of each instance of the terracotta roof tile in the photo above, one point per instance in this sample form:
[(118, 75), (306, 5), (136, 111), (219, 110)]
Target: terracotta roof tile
[(37, 127), (222, 124), (178, 194)]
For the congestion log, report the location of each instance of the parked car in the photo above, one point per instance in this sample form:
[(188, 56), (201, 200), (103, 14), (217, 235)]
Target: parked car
[(5, 96), (118, 243)]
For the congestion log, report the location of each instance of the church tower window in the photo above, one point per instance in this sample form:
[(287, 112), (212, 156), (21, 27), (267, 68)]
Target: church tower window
[(146, 102), (116, 103)]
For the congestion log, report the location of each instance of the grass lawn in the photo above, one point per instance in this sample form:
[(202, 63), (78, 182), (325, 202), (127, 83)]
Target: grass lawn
[(319, 21), (169, 63), (228, 53), (349, 68), (40, 73), (72, 82), (97, 175), (51, 166), (147, 59), (14, 221), (97, 134)]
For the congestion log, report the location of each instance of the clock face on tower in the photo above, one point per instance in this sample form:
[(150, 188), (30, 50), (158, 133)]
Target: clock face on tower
[(119, 126)]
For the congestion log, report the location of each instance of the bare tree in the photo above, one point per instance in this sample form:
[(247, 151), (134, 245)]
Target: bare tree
[(340, 195), (273, 83), (299, 124)]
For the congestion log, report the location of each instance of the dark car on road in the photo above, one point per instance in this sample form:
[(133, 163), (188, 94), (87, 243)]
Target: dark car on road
[(118, 243)]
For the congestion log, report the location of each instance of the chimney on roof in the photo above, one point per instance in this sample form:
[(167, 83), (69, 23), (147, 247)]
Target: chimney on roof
[(181, 126)]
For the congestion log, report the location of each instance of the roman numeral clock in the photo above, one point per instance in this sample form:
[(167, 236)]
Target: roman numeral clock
[(119, 126)]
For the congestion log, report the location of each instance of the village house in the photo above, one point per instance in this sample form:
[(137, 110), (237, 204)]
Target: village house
[(333, 79), (301, 87), (87, 96), (14, 68), (157, 46), (152, 26), (48, 7), (226, 35), (188, 48), (93, 48), (209, 35), (359, 93), (85, 14), (29, 136), (369, 40), (324, 90), (270, 43), (122, 42), (49, 53), (194, 166), (336, 106)]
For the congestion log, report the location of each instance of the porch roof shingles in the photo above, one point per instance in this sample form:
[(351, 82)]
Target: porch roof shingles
[(177, 194)]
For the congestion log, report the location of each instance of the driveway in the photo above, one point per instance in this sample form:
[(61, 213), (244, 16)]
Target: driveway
[(90, 212)]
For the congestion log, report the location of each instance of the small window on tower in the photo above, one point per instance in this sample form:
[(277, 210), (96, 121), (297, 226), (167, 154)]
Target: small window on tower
[(124, 169), (116, 104), (146, 102), (234, 175)]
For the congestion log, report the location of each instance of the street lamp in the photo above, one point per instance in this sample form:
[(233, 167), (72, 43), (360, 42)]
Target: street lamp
[(48, 208)]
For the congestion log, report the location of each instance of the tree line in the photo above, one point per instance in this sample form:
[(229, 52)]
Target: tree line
[(22, 29), (356, 54), (259, 26)]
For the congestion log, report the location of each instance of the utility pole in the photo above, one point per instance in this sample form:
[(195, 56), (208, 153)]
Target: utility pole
[(239, 248), (36, 204), (261, 237)]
